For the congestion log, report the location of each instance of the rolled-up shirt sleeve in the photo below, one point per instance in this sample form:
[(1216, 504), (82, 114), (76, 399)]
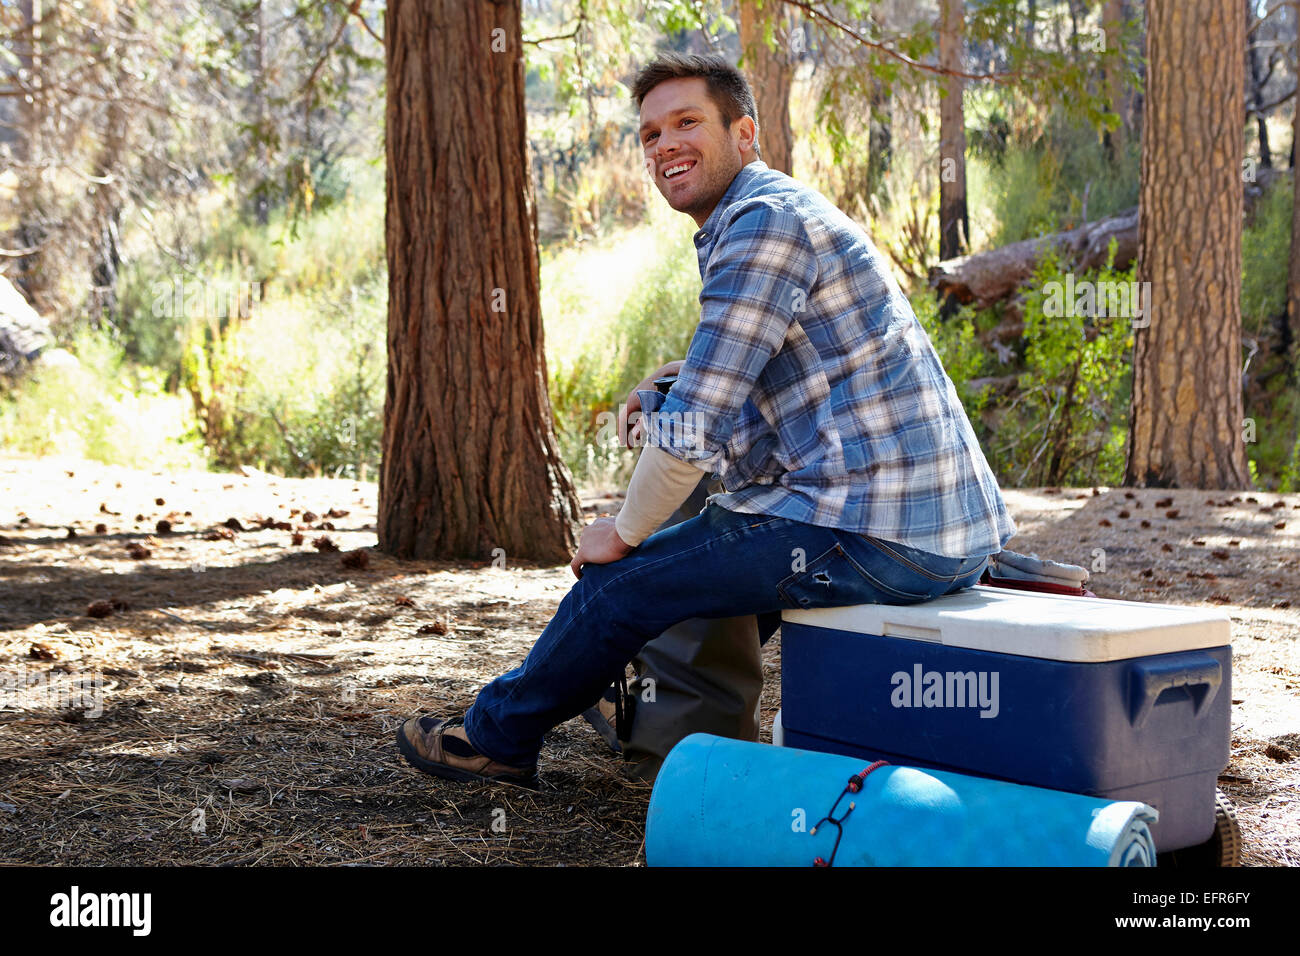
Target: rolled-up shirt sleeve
[(759, 276), (659, 486)]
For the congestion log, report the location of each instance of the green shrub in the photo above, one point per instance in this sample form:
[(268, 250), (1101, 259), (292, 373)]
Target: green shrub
[(100, 407), (276, 334), (958, 348), (325, 255), (1270, 396), (1265, 247), (297, 388), (1067, 423), (650, 276), (1289, 479), (1039, 187)]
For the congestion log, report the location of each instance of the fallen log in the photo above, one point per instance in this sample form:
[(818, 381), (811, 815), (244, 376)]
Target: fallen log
[(984, 278), (1000, 385)]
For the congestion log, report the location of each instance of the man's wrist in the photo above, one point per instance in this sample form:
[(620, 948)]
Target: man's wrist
[(627, 548), (624, 533)]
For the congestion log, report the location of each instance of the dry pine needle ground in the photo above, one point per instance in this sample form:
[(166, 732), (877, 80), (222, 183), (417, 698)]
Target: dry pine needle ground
[(257, 656)]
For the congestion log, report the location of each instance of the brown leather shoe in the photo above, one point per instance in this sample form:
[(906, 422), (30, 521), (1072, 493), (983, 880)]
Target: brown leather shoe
[(442, 748)]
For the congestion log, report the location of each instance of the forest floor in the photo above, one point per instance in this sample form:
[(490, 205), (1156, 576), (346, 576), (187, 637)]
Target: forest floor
[(252, 686)]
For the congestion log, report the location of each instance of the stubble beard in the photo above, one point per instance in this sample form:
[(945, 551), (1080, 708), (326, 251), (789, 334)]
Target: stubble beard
[(710, 193)]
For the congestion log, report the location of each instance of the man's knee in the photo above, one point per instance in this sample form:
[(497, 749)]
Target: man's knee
[(623, 615), (596, 580)]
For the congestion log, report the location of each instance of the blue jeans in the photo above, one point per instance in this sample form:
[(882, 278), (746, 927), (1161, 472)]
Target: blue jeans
[(718, 564)]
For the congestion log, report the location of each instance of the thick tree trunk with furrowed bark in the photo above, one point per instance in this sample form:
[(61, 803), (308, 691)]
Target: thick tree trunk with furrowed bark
[(470, 463), (1186, 418)]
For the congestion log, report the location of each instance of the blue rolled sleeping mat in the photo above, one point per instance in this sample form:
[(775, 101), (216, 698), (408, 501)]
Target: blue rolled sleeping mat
[(721, 802)]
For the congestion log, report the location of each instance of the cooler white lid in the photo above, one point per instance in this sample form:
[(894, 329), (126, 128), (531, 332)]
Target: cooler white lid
[(1028, 624)]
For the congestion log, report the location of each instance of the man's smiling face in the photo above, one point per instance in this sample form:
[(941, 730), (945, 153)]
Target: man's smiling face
[(692, 154)]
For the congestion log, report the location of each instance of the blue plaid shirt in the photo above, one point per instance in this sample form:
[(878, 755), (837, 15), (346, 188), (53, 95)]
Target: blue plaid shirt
[(811, 389)]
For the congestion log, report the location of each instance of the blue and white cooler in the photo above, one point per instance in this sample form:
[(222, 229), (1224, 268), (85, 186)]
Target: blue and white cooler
[(1113, 699)]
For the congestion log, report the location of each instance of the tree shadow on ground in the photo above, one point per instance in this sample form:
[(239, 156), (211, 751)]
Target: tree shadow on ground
[(45, 592)]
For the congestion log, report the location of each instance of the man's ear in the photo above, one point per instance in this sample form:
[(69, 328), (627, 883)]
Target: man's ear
[(746, 133)]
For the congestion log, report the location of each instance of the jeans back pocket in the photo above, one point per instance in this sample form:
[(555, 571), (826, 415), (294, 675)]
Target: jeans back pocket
[(834, 579)]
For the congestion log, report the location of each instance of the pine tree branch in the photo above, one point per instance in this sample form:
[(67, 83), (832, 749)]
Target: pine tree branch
[(889, 51)]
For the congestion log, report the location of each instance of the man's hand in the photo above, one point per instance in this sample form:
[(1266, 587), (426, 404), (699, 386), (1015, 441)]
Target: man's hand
[(599, 544), (633, 403)]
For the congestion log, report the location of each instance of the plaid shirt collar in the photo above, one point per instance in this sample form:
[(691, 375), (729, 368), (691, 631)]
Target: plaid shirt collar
[(707, 234)]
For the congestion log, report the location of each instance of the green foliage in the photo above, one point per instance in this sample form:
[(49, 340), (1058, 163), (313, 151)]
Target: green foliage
[(276, 333), (588, 42), (1068, 421), (298, 388), (1265, 246), (680, 16), (329, 252), (1289, 480), (594, 358), (1274, 404), (337, 249), (335, 425), (956, 343), (1064, 78), (300, 101), (100, 407), (1271, 397), (1039, 185)]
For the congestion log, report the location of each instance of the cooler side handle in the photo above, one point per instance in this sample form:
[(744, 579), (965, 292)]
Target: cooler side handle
[(1201, 675), (913, 632)]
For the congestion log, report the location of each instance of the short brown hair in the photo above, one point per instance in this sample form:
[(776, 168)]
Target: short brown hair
[(727, 85)]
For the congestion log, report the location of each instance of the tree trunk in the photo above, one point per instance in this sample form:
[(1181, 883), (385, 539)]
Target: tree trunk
[(770, 72), (1113, 17), (1291, 326), (954, 225), (1137, 92), (1075, 13), (262, 197), (879, 137), (108, 196), (470, 466), (28, 56), (1186, 416), (29, 272), (1257, 91)]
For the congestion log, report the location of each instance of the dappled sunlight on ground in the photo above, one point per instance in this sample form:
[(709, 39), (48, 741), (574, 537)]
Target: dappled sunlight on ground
[(251, 685)]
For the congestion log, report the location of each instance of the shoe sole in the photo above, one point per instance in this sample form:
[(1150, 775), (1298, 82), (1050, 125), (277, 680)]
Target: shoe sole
[(600, 725), (455, 773)]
